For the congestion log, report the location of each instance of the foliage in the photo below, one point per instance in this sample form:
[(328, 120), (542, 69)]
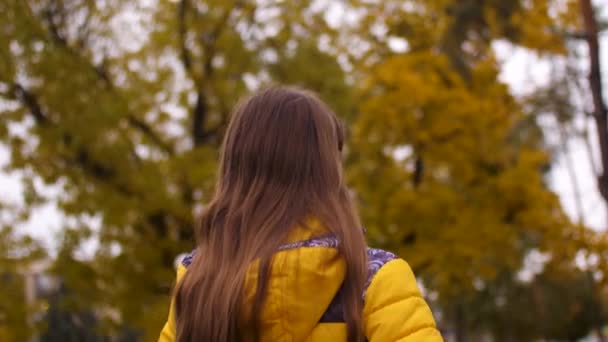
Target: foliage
[(558, 304), (449, 165)]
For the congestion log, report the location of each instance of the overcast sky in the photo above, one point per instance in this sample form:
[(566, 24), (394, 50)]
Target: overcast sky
[(522, 70)]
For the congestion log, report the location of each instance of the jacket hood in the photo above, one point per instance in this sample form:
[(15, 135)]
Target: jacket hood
[(306, 275)]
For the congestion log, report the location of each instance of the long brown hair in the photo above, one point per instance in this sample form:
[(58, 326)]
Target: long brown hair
[(280, 164)]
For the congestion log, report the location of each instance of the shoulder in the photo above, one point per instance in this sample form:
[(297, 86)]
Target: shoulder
[(389, 275), (377, 259), (386, 266), (394, 308), (390, 278)]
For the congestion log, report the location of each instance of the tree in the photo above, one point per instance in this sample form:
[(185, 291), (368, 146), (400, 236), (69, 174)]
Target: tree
[(449, 165), (558, 305), (126, 115), (600, 111)]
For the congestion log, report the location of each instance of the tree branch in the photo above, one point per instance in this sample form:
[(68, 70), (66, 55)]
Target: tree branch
[(587, 140), (29, 100), (150, 133), (418, 171), (600, 112), (575, 35), (211, 38), (181, 21), (83, 30), (201, 107), (578, 203), (199, 116), (81, 157), (102, 73), (99, 171), (50, 13)]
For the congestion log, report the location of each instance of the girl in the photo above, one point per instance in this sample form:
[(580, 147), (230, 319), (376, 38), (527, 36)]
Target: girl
[(281, 253)]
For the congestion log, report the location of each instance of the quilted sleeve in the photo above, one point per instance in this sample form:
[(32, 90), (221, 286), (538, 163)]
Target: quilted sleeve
[(168, 332), (394, 309)]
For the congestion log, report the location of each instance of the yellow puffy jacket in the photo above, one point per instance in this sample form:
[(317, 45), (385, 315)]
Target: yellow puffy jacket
[(305, 281)]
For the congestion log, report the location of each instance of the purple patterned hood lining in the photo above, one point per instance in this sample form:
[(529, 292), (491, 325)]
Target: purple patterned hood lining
[(376, 258)]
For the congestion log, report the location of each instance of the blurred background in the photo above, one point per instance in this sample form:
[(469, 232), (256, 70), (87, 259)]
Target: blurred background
[(478, 150)]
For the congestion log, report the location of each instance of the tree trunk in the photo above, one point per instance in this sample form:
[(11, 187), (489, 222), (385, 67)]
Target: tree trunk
[(460, 332), (600, 113)]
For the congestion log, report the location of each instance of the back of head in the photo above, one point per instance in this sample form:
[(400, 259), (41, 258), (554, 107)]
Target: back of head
[(280, 164)]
